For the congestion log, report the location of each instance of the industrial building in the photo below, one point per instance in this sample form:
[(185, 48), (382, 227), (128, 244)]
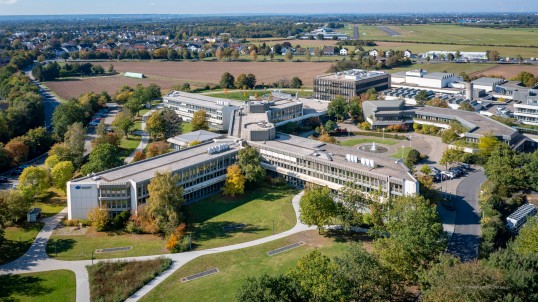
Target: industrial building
[(349, 83), (422, 78)]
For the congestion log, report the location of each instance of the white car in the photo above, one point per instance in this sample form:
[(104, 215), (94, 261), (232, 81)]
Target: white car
[(449, 174)]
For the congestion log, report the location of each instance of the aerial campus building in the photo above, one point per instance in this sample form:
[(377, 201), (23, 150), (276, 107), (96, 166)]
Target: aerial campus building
[(349, 83)]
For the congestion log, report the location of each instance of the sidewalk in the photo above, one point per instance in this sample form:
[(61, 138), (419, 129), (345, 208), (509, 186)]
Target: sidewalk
[(145, 138)]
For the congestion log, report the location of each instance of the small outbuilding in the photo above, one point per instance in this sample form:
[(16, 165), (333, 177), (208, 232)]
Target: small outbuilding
[(33, 215), (134, 75)]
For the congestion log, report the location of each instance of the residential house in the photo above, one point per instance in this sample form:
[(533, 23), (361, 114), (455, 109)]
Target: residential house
[(344, 51), (328, 50), (374, 53), (408, 53)]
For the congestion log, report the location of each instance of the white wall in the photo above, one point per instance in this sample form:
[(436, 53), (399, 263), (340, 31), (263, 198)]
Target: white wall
[(81, 198)]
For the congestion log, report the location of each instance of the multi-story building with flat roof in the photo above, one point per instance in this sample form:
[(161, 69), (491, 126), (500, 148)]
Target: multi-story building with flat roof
[(202, 171), (218, 111), (300, 160), (349, 83), (527, 111)]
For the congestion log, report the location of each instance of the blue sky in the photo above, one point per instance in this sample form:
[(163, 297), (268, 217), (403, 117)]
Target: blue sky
[(60, 7)]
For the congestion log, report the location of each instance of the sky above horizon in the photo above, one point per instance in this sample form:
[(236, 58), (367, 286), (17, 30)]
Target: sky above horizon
[(67, 7)]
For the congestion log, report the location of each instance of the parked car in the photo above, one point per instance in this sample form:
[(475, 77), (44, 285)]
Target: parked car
[(14, 186), (3, 179), (448, 174), (435, 170), (456, 171), (465, 166), (95, 122)]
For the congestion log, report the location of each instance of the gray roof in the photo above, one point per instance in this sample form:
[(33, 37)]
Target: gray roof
[(201, 100), (370, 107), (144, 170), (437, 75), (200, 135), (336, 154), (488, 81)]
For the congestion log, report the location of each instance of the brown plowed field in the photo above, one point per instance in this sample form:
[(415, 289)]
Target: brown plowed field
[(510, 70), (167, 74)]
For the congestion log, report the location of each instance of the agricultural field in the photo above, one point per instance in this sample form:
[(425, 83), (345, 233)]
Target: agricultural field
[(451, 34), (509, 71), (168, 74)]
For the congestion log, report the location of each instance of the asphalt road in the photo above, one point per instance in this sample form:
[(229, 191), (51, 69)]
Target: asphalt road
[(389, 31), (466, 238)]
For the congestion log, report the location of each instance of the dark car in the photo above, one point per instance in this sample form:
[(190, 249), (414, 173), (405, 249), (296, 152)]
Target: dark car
[(457, 171), (3, 179)]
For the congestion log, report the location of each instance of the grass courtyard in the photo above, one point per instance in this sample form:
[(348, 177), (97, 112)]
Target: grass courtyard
[(57, 286), (235, 266), (17, 240), (357, 141), (256, 209), (398, 155)]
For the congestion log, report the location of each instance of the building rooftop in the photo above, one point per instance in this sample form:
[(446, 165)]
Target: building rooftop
[(488, 81), (336, 154), (200, 135), (203, 100), (438, 75), (143, 170), (353, 75), (482, 125)]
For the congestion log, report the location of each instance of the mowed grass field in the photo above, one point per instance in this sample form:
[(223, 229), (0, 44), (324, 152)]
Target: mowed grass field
[(451, 34), (256, 210), (234, 267), (57, 286)]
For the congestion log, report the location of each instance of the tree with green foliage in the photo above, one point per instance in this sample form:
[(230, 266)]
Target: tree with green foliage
[(422, 97), (526, 241), (61, 174), (65, 115), (317, 207), (267, 288), (103, 157), (74, 142), (249, 161), (227, 80), (330, 126), (352, 203), (486, 144), (33, 182), (172, 123), (451, 156), (531, 166), (155, 125), (296, 82), (199, 121), (436, 102), (318, 278), (366, 279), (450, 280), (527, 78), (415, 237), (52, 161), (337, 108), (124, 121), (506, 170), (13, 206), (354, 109), (412, 158), (426, 170), (165, 201)]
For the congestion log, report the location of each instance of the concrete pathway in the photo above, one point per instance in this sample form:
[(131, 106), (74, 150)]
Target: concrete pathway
[(145, 138), (37, 260)]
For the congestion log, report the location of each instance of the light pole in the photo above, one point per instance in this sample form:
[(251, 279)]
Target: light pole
[(403, 151), (273, 226), (383, 134)]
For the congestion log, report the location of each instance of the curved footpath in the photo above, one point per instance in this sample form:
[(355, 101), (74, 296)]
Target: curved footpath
[(145, 138), (37, 260)]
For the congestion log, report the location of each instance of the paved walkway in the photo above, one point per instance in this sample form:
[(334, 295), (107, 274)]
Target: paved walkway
[(145, 138), (37, 260)]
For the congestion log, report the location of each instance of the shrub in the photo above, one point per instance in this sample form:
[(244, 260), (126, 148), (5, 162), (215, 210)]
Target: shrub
[(397, 128), (121, 220), (176, 241), (99, 218), (365, 125)]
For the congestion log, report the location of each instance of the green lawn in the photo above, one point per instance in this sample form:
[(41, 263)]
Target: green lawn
[(81, 247), (356, 141), (56, 202), (235, 266), (186, 127), (17, 240), (398, 155), (57, 286), (128, 145), (453, 34), (256, 209), (137, 126)]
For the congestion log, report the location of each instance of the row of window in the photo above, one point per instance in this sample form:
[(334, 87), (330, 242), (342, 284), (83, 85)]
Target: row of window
[(116, 204), (334, 174), (115, 192)]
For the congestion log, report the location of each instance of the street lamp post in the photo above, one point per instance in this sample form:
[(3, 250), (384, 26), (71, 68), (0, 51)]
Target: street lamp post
[(383, 134), (273, 226), (403, 151)]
